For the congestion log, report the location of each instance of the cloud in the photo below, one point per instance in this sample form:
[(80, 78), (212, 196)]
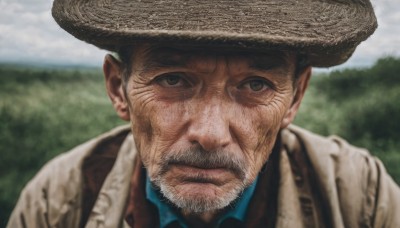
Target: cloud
[(29, 33), (386, 39)]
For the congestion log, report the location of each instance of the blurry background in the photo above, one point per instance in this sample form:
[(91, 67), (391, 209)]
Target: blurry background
[(52, 96)]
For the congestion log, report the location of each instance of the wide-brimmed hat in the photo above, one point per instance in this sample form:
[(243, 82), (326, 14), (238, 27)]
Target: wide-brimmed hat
[(326, 31)]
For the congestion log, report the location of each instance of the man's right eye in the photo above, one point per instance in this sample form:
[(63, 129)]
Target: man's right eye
[(172, 80)]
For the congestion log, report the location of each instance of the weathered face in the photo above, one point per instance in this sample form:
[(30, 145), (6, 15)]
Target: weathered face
[(205, 122)]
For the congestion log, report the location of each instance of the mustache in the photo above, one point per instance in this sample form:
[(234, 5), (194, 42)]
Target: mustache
[(200, 158)]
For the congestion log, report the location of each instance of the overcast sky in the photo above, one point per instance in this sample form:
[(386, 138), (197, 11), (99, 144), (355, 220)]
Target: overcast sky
[(28, 33)]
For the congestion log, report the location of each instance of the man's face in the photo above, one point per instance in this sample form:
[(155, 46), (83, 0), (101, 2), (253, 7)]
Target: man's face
[(205, 122)]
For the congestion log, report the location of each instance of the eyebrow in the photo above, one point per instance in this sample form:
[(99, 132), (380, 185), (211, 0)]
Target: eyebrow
[(270, 61), (161, 57), (170, 57)]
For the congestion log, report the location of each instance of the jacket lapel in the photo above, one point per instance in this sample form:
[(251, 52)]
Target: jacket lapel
[(110, 205)]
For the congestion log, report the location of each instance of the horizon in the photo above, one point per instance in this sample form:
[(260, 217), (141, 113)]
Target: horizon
[(76, 66)]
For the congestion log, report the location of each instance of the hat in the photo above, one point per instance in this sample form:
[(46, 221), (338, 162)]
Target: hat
[(326, 31)]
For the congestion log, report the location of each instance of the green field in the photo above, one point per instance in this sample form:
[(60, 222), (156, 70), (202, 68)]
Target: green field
[(45, 111)]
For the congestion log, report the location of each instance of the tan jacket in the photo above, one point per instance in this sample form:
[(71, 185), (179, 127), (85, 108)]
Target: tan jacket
[(355, 189)]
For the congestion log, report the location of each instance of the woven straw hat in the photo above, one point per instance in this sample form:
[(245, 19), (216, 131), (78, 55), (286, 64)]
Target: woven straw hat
[(327, 31)]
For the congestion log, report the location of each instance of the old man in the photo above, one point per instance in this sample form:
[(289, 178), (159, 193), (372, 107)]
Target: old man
[(210, 89)]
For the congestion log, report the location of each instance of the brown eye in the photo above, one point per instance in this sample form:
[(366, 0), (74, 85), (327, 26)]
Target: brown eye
[(172, 79), (256, 85)]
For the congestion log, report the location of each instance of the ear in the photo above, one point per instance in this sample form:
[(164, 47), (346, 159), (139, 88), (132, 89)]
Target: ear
[(299, 90), (113, 75)]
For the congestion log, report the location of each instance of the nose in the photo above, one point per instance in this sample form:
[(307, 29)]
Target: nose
[(210, 127)]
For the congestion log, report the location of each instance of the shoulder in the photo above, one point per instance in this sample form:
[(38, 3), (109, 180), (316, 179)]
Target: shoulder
[(64, 171), (332, 152), (354, 182), (55, 192)]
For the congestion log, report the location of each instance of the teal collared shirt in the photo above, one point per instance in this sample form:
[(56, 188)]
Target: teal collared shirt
[(168, 214)]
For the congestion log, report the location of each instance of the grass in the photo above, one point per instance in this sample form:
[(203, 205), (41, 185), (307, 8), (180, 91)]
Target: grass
[(360, 105), (43, 113)]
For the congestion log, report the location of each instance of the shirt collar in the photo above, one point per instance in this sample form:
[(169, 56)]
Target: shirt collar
[(168, 214)]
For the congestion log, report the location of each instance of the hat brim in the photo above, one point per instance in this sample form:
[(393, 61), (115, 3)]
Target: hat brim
[(327, 31)]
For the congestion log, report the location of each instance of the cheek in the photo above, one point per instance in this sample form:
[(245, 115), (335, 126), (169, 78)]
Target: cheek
[(141, 113), (258, 131), (156, 126)]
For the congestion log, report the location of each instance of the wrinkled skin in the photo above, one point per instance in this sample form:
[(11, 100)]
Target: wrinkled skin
[(203, 102)]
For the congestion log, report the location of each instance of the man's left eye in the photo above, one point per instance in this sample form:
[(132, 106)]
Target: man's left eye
[(172, 80), (256, 85)]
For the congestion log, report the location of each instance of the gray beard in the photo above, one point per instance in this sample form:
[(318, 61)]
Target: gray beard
[(200, 204), (200, 158)]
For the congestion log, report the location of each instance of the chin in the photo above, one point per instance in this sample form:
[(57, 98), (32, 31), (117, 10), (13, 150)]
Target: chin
[(200, 197)]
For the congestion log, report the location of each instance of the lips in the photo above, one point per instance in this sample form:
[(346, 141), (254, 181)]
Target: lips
[(197, 162), (199, 165), (189, 173)]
